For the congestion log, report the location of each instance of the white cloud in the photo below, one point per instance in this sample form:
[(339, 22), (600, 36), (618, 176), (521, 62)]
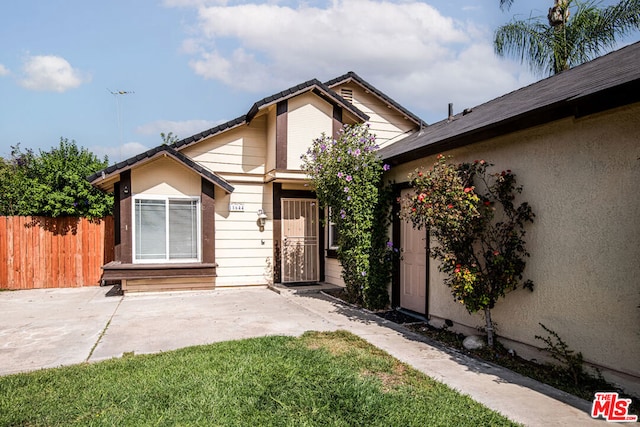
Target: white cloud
[(274, 44), (408, 49), (4, 71), (120, 152), (469, 78), (50, 73), (183, 129)]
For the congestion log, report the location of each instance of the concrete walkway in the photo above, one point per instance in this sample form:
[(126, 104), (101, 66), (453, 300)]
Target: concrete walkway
[(48, 328)]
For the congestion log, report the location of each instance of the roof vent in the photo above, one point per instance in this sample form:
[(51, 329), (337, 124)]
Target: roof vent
[(450, 111), (347, 94)]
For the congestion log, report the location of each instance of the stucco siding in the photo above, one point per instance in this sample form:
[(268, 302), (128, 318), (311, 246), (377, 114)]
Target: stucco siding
[(241, 150), (166, 177), (308, 117), (580, 177)]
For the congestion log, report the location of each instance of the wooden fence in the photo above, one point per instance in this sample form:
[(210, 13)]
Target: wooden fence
[(39, 252)]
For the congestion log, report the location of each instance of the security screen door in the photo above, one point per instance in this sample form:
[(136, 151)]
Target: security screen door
[(300, 255)]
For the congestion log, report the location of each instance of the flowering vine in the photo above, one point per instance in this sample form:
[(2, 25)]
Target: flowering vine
[(346, 173), (479, 230)]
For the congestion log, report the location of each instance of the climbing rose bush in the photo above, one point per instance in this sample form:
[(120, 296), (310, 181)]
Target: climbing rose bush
[(346, 173), (478, 229)]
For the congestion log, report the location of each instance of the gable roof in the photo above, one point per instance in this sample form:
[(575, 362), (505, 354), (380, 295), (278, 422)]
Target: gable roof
[(313, 85), (162, 150), (607, 82), (321, 89), (351, 76)]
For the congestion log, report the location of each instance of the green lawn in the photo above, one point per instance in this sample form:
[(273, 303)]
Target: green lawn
[(323, 379)]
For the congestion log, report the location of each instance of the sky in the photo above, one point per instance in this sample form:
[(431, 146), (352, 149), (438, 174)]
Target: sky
[(112, 75)]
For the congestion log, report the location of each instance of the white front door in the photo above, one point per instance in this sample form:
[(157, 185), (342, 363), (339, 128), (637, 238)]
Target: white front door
[(413, 268), (300, 255)]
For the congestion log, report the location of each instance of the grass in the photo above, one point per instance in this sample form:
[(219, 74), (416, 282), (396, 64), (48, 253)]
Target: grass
[(584, 386), (317, 379)]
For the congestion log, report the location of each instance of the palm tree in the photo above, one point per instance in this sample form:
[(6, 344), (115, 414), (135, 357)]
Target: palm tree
[(575, 32), (505, 4)]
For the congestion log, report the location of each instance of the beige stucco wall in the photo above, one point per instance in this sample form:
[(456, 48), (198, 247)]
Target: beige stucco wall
[(308, 117), (581, 178), (165, 176)]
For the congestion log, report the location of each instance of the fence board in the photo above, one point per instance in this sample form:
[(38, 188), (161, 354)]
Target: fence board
[(39, 252)]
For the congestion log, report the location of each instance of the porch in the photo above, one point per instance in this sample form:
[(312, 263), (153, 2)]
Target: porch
[(160, 277)]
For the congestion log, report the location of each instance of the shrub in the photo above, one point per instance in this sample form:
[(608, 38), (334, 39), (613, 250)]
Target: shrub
[(478, 228)]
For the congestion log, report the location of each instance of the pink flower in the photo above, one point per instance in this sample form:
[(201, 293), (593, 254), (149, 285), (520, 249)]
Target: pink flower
[(468, 190), (496, 253), (450, 206)]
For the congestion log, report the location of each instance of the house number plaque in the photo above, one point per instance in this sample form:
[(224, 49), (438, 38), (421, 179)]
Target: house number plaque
[(236, 207)]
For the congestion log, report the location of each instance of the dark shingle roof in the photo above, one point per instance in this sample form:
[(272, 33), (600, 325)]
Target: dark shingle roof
[(606, 82), (154, 152), (321, 89), (314, 85), (356, 78), (214, 130)]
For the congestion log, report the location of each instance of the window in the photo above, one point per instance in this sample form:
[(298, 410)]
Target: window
[(166, 229), (333, 233)]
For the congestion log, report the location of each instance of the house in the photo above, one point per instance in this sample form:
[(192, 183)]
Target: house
[(573, 141), (230, 205)]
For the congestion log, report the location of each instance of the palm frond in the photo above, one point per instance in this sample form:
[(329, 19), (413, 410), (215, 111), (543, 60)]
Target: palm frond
[(505, 4), (529, 41), (589, 32)]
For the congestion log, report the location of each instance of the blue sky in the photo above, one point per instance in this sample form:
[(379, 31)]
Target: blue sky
[(192, 64)]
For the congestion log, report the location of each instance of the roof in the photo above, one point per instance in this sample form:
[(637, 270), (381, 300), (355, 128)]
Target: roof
[(321, 89), (313, 85), (607, 82), (351, 76), (157, 152)]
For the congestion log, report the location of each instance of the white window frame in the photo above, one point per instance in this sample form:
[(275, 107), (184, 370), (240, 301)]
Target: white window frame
[(166, 199), (330, 231)]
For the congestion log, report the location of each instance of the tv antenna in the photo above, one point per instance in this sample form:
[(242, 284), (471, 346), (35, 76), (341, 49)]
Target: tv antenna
[(117, 94)]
